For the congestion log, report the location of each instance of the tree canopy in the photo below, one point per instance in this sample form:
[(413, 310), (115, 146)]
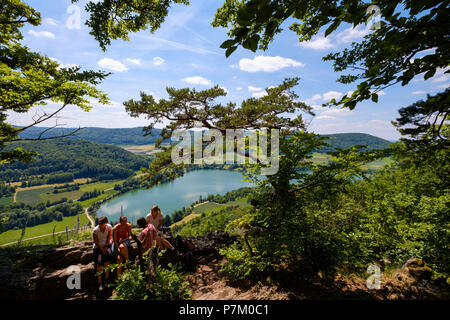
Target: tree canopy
[(30, 80)]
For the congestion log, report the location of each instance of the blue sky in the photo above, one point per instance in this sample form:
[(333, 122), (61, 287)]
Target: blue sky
[(185, 52)]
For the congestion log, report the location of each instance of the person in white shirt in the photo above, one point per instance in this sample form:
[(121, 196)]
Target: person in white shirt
[(155, 218), (102, 248)]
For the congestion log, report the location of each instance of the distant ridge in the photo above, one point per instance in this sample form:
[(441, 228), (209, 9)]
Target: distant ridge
[(134, 136), (348, 140)]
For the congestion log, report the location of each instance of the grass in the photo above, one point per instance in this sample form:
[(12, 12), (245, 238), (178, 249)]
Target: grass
[(209, 207), (6, 200), (206, 206), (42, 229), (42, 194), (323, 158), (89, 202), (32, 196)]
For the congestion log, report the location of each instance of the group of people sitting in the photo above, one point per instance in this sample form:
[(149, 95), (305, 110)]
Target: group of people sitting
[(113, 244)]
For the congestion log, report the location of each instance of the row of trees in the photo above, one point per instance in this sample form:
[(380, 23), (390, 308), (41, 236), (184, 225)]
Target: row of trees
[(19, 216), (6, 191)]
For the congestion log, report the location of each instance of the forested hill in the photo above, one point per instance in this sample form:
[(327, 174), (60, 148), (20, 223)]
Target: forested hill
[(61, 158), (116, 136), (134, 136), (348, 140)]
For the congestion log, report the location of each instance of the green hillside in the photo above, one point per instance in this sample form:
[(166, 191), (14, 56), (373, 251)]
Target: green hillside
[(117, 136), (65, 159), (348, 140), (135, 136)]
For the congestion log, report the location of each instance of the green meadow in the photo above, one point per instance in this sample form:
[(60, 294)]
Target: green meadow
[(42, 229)]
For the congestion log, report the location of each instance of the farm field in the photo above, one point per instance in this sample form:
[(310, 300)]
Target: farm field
[(208, 207), (147, 149), (42, 229), (44, 194), (6, 200)]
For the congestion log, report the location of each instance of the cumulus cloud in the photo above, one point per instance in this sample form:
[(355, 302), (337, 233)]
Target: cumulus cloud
[(252, 88), (259, 94), (419, 92), (351, 34), (62, 65), (50, 21), (267, 64), (157, 61), (41, 34), (134, 61), (197, 80), (327, 96), (318, 43), (332, 95), (112, 64)]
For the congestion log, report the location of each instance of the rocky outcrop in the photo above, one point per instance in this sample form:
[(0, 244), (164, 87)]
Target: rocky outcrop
[(418, 269), (43, 273)]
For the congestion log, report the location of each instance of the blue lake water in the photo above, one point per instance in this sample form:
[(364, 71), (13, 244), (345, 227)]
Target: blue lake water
[(173, 195)]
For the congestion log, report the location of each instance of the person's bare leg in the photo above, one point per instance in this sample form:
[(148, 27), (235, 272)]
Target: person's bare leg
[(99, 277), (119, 270), (107, 271), (124, 252), (165, 243)]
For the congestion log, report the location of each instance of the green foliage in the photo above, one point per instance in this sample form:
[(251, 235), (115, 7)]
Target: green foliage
[(216, 220), (29, 79), (241, 265), (20, 215), (132, 285), (168, 284), (115, 19)]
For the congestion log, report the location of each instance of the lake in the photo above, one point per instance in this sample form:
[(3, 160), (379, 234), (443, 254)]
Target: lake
[(173, 195)]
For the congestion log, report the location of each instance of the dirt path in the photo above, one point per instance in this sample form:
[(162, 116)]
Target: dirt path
[(89, 217), (207, 284)]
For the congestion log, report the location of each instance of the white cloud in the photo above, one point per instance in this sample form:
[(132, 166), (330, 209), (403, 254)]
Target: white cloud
[(238, 88), (62, 65), (419, 92), (41, 34), (267, 64), (252, 88), (50, 21), (336, 112), (443, 86), (332, 95), (319, 43), (134, 61), (197, 80), (442, 78), (225, 89), (324, 117), (157, 61), (259, 94), (112, 64), (351, 34)]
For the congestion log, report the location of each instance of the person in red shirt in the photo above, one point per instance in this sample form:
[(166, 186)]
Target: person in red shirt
[(122, 236)]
